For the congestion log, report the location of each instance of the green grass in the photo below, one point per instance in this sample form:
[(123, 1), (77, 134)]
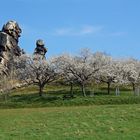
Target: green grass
[(99, 117), (53, 96), (104, 122)]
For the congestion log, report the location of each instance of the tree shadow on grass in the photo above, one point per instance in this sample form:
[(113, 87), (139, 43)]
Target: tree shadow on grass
[(57, 92), (31, 98)]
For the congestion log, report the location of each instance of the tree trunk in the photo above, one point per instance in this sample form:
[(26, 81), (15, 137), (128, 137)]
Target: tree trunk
[(83, 90), (41, 90), (71, 89), (133, 85), (108, 88)]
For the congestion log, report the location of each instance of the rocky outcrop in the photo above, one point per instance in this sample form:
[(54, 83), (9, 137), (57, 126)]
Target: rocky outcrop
[(40, 49), (9, 36)]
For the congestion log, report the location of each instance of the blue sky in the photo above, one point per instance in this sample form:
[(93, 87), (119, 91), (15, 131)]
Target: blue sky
[(111, 26)]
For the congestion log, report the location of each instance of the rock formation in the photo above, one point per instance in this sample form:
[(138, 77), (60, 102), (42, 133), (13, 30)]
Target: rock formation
[(40, 49), (9, 48)]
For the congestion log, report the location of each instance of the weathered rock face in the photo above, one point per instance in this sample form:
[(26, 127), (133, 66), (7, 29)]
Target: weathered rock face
[(9, 48), (40, 49)]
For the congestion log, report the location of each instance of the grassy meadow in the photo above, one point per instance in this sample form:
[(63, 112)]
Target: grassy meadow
[(26, 116), (103, 122)]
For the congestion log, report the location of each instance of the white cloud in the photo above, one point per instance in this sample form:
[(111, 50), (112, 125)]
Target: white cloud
[(88, 29), (79, 31), (71, 31)]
